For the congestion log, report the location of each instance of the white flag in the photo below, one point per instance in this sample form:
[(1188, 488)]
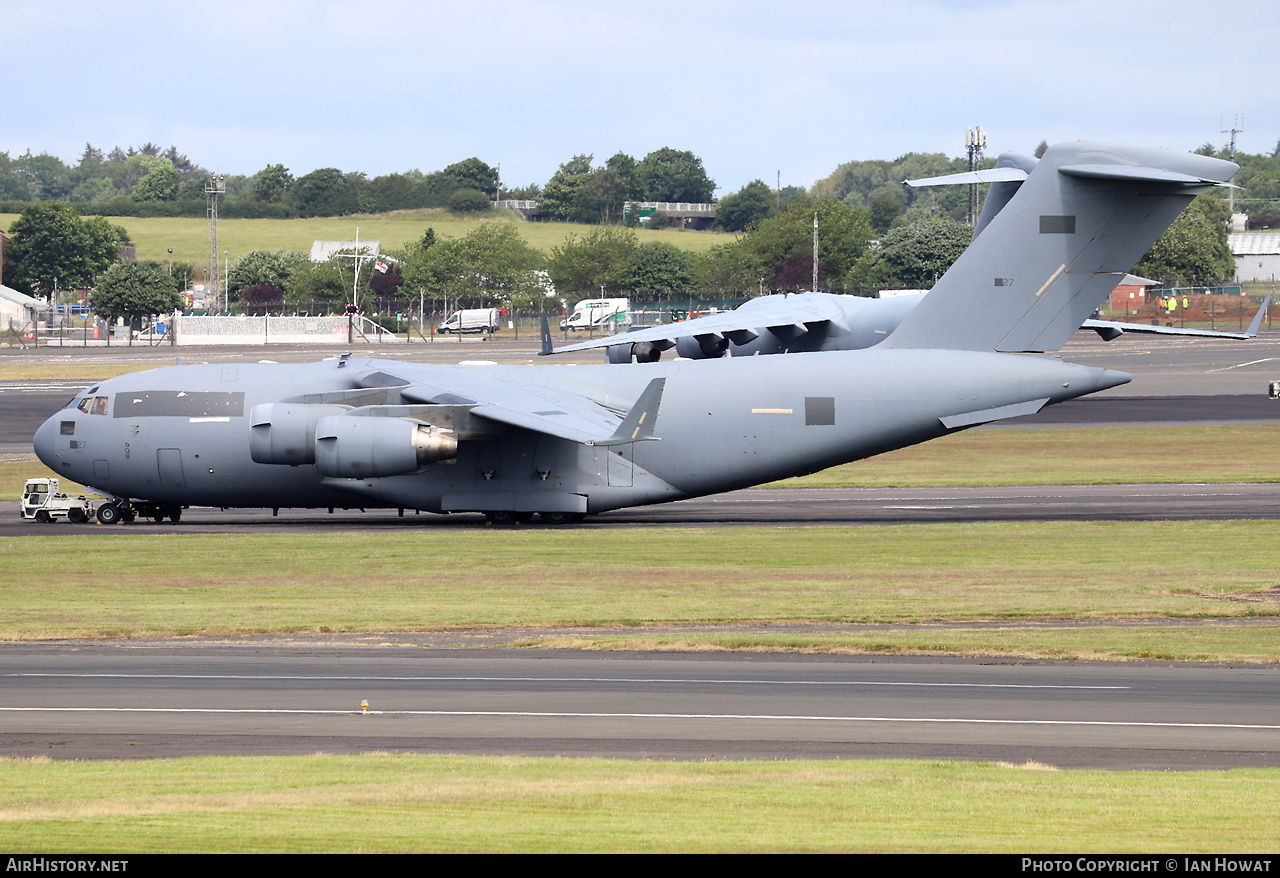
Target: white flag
[(381, 266)]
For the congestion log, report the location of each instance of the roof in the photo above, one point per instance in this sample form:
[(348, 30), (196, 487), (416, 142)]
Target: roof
[(11, 295), (1132, 280), (1254, 243), (322, 251)]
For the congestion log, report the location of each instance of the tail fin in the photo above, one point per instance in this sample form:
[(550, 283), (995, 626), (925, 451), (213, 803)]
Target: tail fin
[(1084, 216), (547, 349)]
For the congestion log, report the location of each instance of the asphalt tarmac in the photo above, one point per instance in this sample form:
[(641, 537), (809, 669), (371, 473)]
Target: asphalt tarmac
[(141, 700), (260, 695)]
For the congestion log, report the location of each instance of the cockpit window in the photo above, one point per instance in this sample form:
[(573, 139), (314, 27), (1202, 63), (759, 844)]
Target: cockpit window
[(85, 404), (99, 405), (74, 402)]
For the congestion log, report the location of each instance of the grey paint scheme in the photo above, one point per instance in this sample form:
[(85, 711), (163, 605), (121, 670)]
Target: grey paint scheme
[(576, 439), (1090, 188)]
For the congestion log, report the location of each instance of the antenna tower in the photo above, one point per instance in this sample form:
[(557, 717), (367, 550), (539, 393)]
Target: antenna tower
[(215, 186), (975, 141), (1237, 127)]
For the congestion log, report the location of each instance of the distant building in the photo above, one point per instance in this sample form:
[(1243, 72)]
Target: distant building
[(18, 309), (323, 251), (1257, 256), (1131, 293)]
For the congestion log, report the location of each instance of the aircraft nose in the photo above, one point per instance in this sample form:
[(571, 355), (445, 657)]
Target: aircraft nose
[(44, 442)]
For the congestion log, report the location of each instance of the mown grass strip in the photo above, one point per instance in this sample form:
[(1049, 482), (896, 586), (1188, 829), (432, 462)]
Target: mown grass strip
[(116, 586), (1214, 454), (189, 236), (410, 803)]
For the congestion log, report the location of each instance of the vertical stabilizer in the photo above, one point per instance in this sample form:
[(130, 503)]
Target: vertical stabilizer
[(1084, 216)]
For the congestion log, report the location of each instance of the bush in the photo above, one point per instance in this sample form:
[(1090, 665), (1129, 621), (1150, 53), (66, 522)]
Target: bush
[(469, 201)]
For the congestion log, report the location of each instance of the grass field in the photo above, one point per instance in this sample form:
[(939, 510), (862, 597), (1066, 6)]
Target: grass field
[(1011, 573), (408, 803), (189, 237)]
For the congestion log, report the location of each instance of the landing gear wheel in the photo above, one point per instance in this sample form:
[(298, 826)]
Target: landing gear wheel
[(109, 513), (557, 518), (175, 515), (503, 516), (128, 515)]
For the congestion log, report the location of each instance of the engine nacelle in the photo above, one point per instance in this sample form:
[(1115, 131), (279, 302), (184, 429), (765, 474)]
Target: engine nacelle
[(357, 447), (642, 352), (702, 347), (285, 432)]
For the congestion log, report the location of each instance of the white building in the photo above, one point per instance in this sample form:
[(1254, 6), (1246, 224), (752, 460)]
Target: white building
[(1257, 256)]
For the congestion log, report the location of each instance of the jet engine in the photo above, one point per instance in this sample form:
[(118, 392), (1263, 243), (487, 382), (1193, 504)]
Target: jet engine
[(355, 447), (642, 352), (285, 433), (702, 347)]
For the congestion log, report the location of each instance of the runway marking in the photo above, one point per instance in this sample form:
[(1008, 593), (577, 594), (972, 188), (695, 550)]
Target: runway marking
[(1250, 363), (528, 714), (641, 680)]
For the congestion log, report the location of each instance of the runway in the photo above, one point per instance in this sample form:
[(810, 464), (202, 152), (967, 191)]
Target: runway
[(761, 507), (269, 696), (169, 699)]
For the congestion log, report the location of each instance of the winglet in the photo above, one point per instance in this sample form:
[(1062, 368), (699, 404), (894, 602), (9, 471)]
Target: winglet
[(547, 350), (638, 425), (1252, 331)]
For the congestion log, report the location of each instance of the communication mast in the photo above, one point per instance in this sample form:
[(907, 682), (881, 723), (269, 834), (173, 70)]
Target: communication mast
[(215, 186), (1237, 127), (975, 141)]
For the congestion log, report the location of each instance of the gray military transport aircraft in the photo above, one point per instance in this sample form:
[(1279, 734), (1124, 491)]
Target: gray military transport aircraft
[(807, 322), (564, 441)]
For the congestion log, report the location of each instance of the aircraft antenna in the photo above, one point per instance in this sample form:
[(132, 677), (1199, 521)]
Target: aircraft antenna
[(975, 141), (1237, 127), (216, 185), (815, 252)]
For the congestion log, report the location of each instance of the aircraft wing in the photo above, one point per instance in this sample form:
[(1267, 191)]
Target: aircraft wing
[(1109, 329), (789, 315), (557, 411)]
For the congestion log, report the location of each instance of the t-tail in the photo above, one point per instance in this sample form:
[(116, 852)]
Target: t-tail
[(1059, 235)]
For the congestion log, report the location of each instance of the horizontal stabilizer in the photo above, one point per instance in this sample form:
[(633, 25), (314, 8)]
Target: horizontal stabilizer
[(990, 175)]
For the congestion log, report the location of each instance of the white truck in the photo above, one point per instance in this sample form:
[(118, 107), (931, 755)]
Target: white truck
[(609, 315), (482, 320), (41, 501)]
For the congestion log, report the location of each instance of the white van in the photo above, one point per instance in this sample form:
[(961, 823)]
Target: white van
[(608, 314), (483, 320)]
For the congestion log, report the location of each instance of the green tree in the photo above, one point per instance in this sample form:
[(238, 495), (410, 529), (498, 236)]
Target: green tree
[(259, 267), (469, 201), (134, 289), (843, 234), (916, 255), (673, 175), (326, 192), (742, 210), (159, 182), (660, 269), (885, 208), (50, 246), (562, 196), (473, 174), (1193, 251), (272, 183), (602, 256)]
